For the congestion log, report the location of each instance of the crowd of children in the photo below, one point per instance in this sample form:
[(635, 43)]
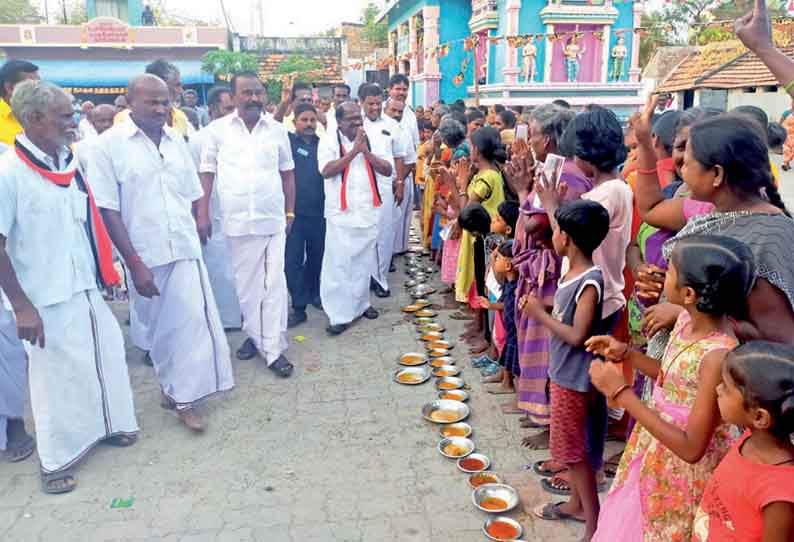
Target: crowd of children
[(626, 292)]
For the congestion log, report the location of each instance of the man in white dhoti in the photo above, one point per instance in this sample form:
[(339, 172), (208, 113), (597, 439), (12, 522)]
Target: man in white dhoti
[(54, 252), (386, 142), (352, 210), (398, 90), (216, 249), (247, 155), (145, 184), (402, 214)]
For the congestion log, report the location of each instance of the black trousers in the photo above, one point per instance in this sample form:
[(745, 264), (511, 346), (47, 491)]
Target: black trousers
[(304, 259)]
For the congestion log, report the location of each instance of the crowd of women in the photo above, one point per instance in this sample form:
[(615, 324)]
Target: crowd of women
[(641, 274)]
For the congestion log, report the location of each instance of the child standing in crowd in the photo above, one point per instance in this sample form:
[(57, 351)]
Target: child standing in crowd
[(578, 229), (679, 439), (750, 497)]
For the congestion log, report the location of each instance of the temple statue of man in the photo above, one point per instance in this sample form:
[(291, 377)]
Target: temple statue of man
[(573, 57), (530, 56), (619, 54)]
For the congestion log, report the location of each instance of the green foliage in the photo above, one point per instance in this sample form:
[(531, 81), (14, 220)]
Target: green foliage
[(18, 11), (655, 38), (223, 63), (374, 32), (737, 8), (711, 35), (298, 65)]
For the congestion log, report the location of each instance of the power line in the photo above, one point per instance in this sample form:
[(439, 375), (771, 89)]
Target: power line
[(226, 16)]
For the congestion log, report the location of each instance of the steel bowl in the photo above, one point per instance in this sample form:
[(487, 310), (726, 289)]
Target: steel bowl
[(482, 457), (454, 395), (503, 492), (410, 309), (423, 320), (429, 269), (426, 313), (460, 429), (423, 290), (443, 360), (445, 370), (463, 445), (453, 411), (439, 353), (412, 359), (422, 302), (416, 249), (418, 375), (431, 336), (503, 519), (439, 344), (490, 477), (450, 383), (412, 283), (424, 328)]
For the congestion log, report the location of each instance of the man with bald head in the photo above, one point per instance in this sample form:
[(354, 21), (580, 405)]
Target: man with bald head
[(395, 109), (146, 184), (54, 251), (101, 119), (85, 127), (353, 206)]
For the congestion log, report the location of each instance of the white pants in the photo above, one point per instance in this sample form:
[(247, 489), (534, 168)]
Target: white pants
[(79, 387), (258, 263), (385, 243), (189, 349), (13, 373), (402, 218), (350, 255)]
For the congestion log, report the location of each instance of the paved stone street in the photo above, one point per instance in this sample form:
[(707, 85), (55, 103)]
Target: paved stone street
[(339, 452)]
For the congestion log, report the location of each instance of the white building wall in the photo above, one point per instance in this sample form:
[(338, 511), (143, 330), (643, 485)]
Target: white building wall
[(774, 103)]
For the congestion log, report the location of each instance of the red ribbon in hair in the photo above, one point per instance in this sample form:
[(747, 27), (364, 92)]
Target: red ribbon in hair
[(373, 184), (100, 240)]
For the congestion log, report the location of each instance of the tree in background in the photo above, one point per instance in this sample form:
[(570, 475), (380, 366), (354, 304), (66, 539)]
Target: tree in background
[(374, 32), (294, 68), (654, 37), (18, 11), (223, 63), (71, 12)]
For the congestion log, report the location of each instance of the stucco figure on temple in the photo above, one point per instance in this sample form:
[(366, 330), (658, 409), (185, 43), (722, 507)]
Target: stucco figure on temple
[(573, 58), (619, 54), (530, 59)]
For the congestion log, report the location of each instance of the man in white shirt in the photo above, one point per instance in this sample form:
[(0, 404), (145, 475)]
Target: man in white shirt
[(101, 120), (301, 93), (387, 143), (403, 213), (248, 155), (54, 253), (341, 94), (146, 184), (216, 249), (86, 127), (353, 207)]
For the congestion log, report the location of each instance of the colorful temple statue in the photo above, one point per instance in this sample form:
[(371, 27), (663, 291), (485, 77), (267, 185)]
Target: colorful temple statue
[(573, 57), (530, 58), (619, 54)]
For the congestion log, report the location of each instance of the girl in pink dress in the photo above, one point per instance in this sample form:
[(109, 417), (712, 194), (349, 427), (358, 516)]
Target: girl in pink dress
[(679, 438)]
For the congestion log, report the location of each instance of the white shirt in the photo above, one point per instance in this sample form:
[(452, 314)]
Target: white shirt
[(196, 143), (411, 155), (86, 129), (83, 150), (387, 143), (616, 196), (411, 127), (360, 213), (153, 188), (247, 167), (45, 229)]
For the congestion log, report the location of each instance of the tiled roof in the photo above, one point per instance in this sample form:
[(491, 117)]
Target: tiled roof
[(665, 59), (697, 64), (329, 73), (745, 71)]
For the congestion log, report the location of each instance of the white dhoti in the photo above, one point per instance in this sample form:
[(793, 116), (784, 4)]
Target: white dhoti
[(219, 268), (385, 242), (402, 218), (79, 387), (13, 373), (350, 256), (258, 264), (139, 317), (188, 345)]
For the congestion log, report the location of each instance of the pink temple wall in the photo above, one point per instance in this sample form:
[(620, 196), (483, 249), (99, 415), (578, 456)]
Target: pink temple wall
[(590, 65)]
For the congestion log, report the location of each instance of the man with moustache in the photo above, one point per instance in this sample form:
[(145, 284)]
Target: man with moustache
[(306, 240), (341, 94), (248, 155), (396, 109), (101, 119), (352, 212), (54, 252), (387, 143), (146, 194), (216, 250)]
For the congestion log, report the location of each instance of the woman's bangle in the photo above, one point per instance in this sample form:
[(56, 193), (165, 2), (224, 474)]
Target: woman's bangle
[(646, 171), (620, 390), (290, 215), (462, 194), (625, 353)]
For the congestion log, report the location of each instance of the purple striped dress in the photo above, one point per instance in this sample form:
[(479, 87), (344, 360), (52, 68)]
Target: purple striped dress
[(538, 274)]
